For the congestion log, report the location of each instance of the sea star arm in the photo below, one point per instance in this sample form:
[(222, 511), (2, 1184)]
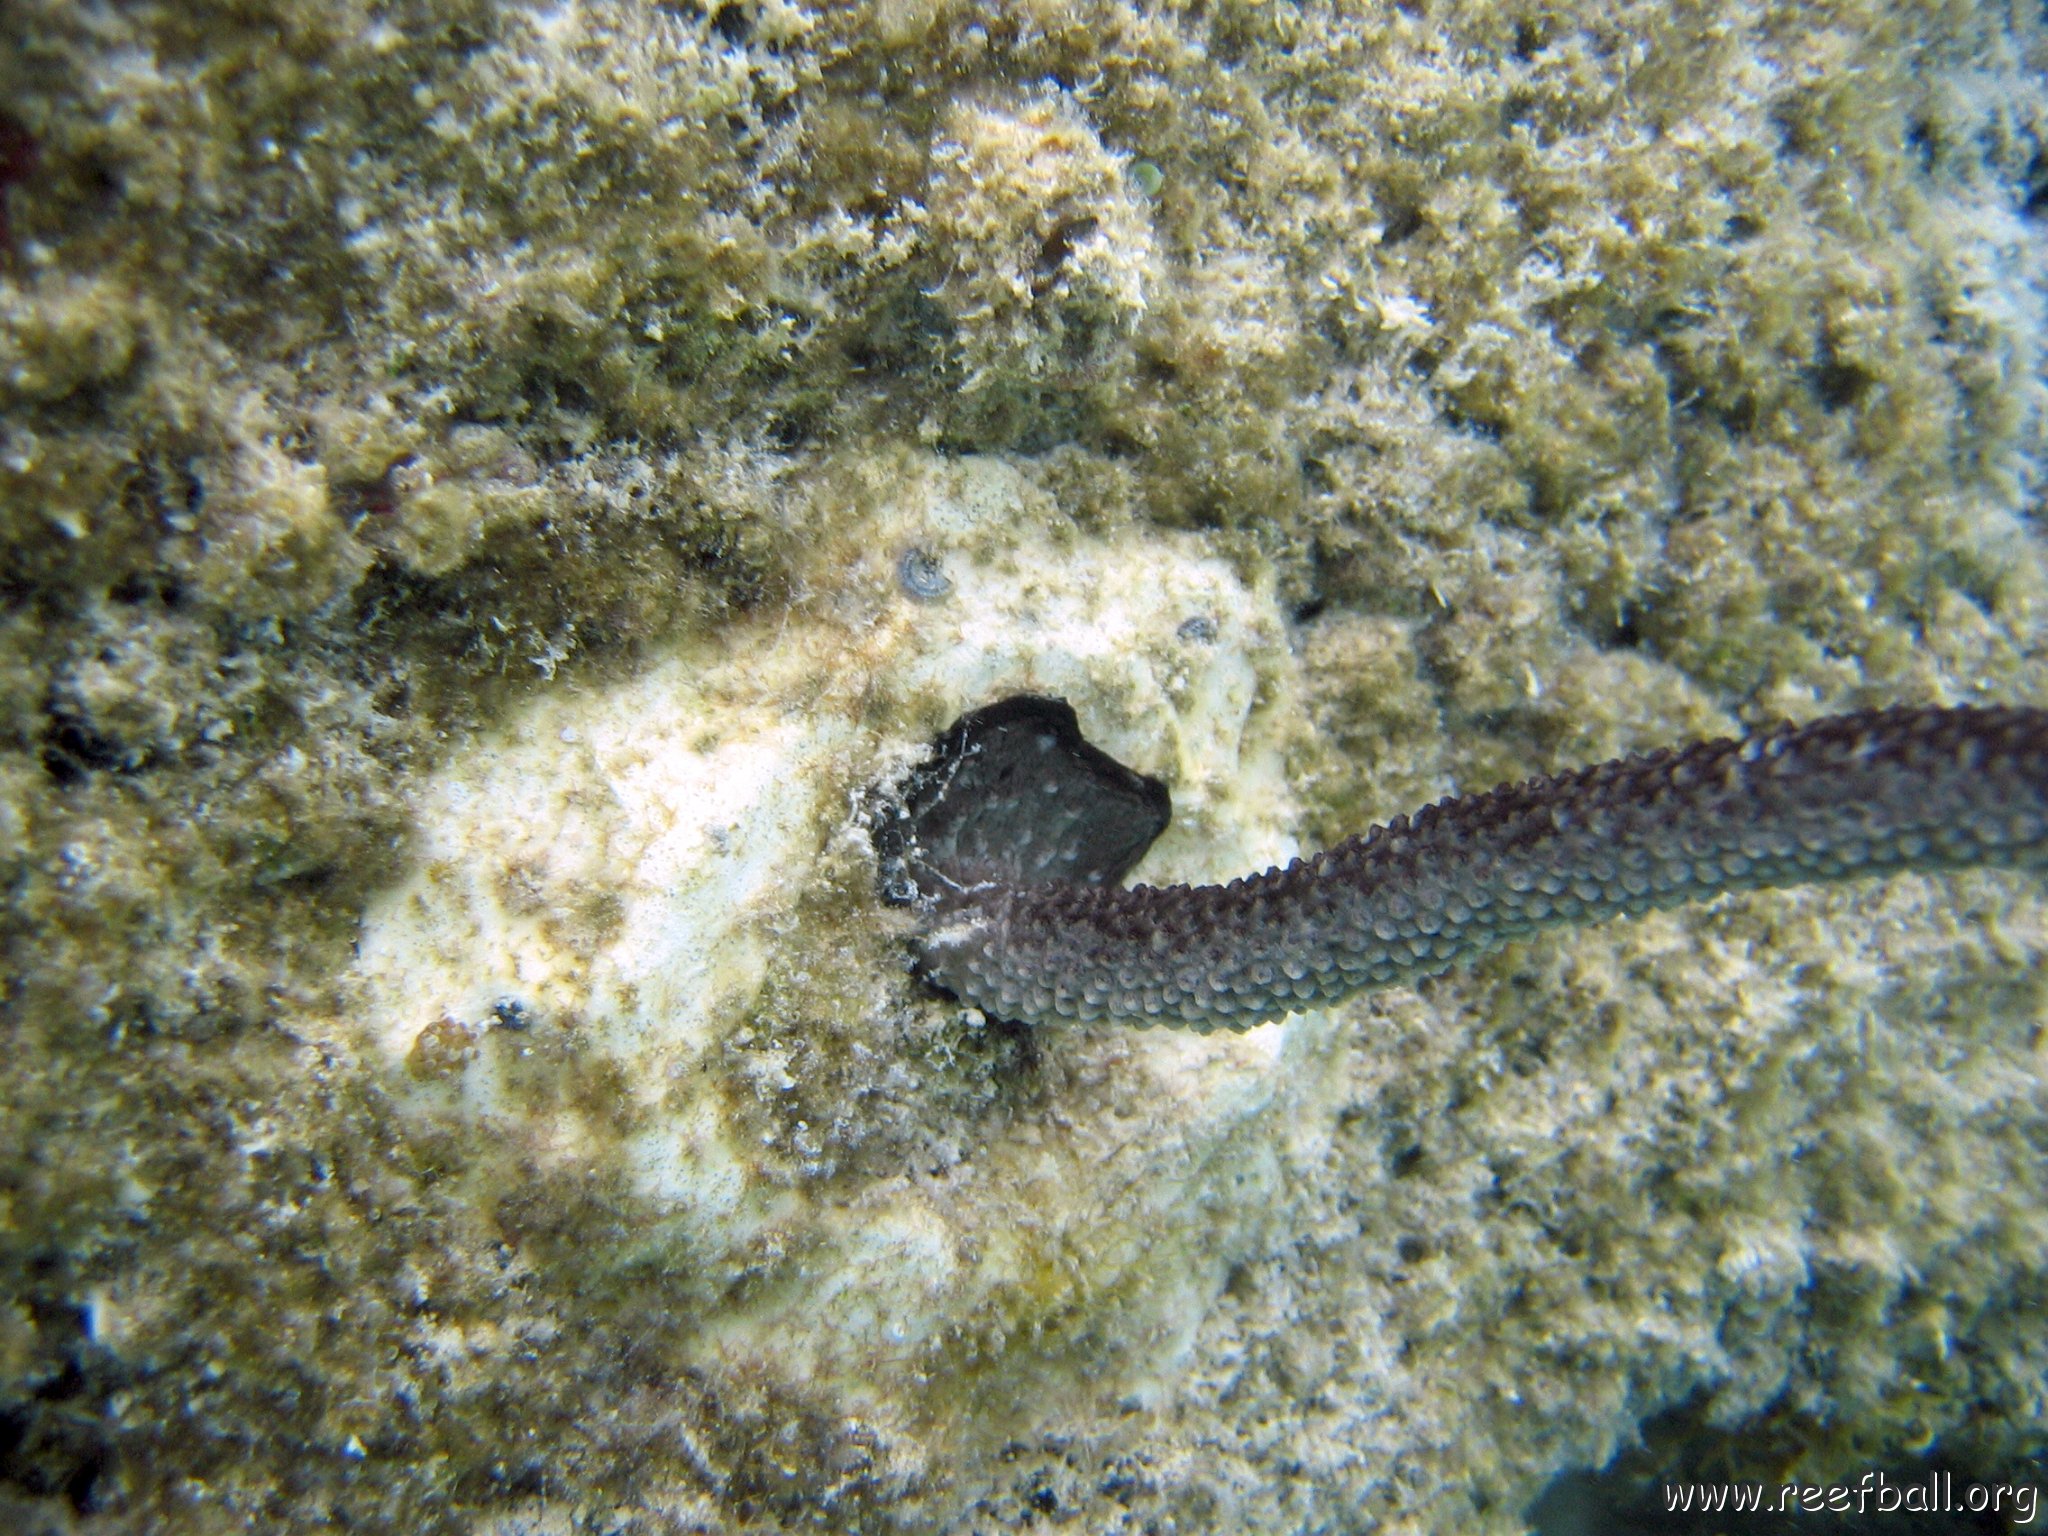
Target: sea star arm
[(1835, 799)]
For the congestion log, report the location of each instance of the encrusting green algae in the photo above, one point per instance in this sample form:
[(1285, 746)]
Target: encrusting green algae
[(484, 488)]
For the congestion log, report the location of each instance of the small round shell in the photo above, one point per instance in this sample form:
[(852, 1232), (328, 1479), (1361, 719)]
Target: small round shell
[(922, 575)]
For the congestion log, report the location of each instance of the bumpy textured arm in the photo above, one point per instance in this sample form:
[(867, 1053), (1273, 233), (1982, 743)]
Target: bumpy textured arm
[(1841, 797)]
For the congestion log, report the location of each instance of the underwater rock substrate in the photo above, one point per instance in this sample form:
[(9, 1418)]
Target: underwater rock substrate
[(1014, 834)]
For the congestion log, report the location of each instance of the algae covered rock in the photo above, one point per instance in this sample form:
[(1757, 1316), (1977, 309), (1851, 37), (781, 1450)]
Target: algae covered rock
[(486, 488), (1050, 237)]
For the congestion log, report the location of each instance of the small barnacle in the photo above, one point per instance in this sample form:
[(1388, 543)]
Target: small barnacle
[(922, 576), (441, 1050)]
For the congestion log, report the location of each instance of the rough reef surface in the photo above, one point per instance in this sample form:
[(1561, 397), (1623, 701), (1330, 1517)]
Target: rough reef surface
[(485, 487)]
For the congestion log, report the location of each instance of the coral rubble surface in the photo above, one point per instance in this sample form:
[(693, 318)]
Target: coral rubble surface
[(487, 486)]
